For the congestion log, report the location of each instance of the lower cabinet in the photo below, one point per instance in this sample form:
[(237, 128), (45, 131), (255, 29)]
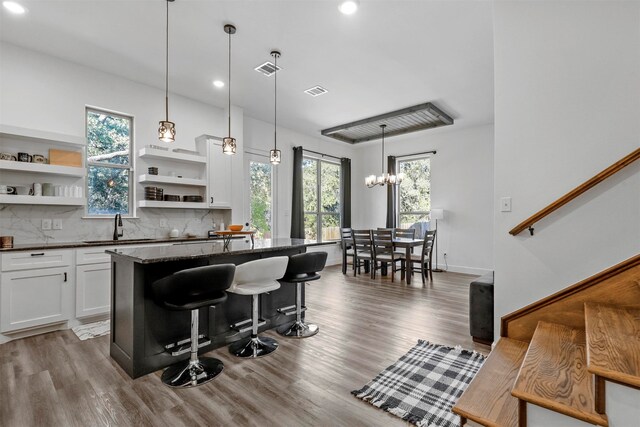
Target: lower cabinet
[(35, 297), (93, 289)]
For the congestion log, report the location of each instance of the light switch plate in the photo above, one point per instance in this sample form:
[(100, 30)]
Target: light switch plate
[(46, 224), (505, 204), (57, 224)]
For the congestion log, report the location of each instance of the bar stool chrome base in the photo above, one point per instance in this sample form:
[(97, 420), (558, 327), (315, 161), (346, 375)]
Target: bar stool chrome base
[(298, 330), (192, 373), (253, 347)]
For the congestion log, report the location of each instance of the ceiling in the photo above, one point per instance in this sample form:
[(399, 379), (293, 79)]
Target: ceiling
[(387, 56)]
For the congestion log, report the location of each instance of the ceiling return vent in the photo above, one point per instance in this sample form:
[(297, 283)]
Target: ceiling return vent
[(410, 119), (268, 69), (316, 91)]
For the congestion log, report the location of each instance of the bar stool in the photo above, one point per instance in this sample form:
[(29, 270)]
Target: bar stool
[(302, 268), (255, 278), (192, 289)]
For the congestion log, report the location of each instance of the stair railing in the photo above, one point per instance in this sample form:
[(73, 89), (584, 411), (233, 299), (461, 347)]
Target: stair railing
[(597, 179)]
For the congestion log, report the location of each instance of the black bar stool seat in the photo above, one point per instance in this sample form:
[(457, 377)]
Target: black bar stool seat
[(302, 268), (190, 290)]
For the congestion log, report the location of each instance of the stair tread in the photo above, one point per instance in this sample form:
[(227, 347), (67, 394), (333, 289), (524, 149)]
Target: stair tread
[(554, 374), (613, 342), (487, 400)]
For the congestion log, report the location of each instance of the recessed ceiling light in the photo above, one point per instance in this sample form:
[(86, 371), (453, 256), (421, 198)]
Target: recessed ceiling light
[(218, 83), (349, 7), (14, 7)]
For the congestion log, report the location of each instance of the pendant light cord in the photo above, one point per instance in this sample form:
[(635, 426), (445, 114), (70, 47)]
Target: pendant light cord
[(229, 98), (383, 126), (166, 70), (275, 104)]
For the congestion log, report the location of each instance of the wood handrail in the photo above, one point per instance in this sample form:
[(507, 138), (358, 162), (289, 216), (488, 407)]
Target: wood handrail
[(597, 179)]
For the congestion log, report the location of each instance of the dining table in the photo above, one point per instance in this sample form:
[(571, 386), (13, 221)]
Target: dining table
[(407, 244)]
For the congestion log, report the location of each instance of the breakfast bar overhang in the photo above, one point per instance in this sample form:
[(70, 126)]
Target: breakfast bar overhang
[(141, 330)]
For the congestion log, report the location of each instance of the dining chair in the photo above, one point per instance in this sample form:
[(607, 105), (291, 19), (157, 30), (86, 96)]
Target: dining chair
[(424, 258), (405, 233), (384, 253), (347, 248), (362, 252)]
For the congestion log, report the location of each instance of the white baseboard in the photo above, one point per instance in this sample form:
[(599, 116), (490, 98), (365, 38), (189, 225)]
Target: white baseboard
[(466, 270)]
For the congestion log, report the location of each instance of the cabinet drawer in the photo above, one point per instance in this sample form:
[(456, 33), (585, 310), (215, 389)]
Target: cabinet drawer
[(95, 255), (15, 261)]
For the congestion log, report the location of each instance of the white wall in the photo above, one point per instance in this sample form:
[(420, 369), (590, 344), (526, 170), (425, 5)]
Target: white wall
[(461, 184), (41, 92), (567, 105)]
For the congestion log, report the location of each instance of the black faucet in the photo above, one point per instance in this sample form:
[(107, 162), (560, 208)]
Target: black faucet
[(117, 232)]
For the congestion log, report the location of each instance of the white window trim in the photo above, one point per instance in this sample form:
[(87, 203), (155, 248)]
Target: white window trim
[(397, 201), (132, 165), (317, 212), (260, 155)]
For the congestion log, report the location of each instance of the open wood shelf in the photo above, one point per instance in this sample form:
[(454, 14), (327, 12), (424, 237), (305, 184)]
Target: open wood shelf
[(39, 136), (172, 205), (9, 165), (153, 153), (161, 179), (42, 200)]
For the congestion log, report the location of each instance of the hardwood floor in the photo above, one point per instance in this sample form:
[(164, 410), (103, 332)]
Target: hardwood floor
[(365, 325)]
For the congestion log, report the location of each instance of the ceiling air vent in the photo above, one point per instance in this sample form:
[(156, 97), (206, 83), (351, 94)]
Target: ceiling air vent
[(316, 91), (268, 68)]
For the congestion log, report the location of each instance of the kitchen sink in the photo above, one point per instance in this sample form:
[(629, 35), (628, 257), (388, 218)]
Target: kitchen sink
[(117, 241)]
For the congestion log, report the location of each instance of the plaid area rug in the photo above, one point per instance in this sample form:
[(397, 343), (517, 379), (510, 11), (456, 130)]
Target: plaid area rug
[(424, 384)]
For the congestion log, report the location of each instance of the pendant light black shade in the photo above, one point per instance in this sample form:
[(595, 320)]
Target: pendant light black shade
[(167, 129), (275, 155), (229, 143)]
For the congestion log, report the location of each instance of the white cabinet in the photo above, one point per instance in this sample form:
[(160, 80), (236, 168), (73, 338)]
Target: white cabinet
[(93, 289), (35, 297), (219, 177), (35, 259)]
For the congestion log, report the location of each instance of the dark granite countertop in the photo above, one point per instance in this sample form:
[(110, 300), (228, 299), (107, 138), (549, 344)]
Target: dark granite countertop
[(208, 249), (91, 243)]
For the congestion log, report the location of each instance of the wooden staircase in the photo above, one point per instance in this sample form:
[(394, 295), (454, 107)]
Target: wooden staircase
[(563, 363)]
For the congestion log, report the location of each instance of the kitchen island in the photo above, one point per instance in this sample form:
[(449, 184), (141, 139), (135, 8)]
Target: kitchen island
[(140, 329)]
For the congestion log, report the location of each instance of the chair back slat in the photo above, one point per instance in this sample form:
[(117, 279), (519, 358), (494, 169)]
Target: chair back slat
[(382, 241), (427, 246), (346, 238), (361, 240), (405, 233)]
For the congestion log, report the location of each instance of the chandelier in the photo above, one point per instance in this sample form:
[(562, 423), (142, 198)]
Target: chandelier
[(385, 178)]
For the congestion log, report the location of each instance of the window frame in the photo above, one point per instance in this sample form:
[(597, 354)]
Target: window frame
[(319, 214), (399, 192), (130, 167)]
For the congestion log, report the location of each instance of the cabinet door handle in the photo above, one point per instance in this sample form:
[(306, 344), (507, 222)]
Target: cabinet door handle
[(65, 276), (211, 199), (39, 254)]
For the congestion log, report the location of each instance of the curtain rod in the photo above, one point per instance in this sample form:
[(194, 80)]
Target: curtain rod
[(321, 154), (415, 154)]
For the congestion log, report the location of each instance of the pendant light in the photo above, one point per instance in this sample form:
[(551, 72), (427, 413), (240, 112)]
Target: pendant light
[(275, 156), (229, 143), (384, 179), (167, 129)]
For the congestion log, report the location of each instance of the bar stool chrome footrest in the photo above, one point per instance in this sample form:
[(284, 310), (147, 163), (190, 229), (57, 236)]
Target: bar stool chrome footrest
[(290, 310), (184, 346), (192, 373), (253, 347), (298, 329), (238, 328)]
